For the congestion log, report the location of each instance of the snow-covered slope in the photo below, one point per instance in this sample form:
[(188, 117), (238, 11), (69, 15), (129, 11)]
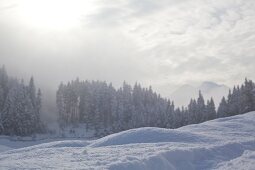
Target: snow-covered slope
[(227, 143)]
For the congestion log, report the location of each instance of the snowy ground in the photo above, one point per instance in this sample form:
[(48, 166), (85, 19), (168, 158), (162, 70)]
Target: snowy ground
[(227, 143)]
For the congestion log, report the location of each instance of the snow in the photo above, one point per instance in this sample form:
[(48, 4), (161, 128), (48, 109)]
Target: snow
[(148, 135), (245, 161), (226, 143), (9, 143)]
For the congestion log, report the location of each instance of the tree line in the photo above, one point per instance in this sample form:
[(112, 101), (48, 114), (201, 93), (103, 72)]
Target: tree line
[(108, 110), (240, 100)]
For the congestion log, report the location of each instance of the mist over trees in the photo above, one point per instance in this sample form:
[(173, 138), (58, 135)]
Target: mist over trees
[(20, 107), (101, 106), (106, 109)]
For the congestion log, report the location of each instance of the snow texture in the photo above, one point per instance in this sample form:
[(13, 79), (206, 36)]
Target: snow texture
[(226, 143)]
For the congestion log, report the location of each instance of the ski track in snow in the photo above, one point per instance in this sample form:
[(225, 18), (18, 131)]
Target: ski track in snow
[(226, 143)]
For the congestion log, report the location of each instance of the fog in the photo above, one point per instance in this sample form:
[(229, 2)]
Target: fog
[(163, 43)]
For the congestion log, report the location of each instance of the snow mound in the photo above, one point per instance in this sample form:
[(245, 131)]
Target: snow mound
[(148, 135), (8, 144), (226, 143), (245, 161)]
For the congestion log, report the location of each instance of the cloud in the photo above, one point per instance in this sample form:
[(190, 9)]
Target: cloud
[(163, 43), (195, 36)]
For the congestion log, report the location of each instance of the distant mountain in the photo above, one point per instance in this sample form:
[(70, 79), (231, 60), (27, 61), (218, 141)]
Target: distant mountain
[(207, 86), (183, 94)]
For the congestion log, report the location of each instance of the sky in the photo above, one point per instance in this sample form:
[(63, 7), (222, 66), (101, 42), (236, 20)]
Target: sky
[(163, 43)]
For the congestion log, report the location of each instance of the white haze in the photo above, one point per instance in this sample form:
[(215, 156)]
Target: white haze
[(163, 43)]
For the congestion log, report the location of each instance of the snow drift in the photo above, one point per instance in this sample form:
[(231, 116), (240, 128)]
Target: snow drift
[(148, 135), (226, 143)]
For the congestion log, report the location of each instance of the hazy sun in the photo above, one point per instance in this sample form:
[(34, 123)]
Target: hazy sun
[(54, 14)]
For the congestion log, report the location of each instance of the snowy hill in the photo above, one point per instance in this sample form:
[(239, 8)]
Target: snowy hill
[(226, 143), (183, 94)]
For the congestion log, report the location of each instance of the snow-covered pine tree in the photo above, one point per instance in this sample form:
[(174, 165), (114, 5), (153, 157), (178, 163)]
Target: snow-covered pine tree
[(177, 118), (192, 109), (200, 113), (84, 106), (138, 106), (61, 105), (247, 97), (114, 113), (4, 80), (32, 91), (111, 107), (253, 94), (169, 120), (233, 102), (185, 116), (2, 99), (127, 105), (39, 125), (25, 113), (223, 108), (18, 113), (8, 114), (210, 110)]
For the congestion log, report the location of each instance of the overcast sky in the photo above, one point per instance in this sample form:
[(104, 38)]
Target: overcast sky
[(163, 43)]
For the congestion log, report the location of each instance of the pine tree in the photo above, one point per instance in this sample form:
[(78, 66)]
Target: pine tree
[(177, 118), (4, 80), (127, 105), (2, 99), (61, 105), (253, 94), (169, 115), (26, 114), (18, 112), (233, 102), (19, 107), (210, 110), (223, 108), (247, 99), (200, 113), (192, 109), (39, 126), (8, 114), (32, 91)]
